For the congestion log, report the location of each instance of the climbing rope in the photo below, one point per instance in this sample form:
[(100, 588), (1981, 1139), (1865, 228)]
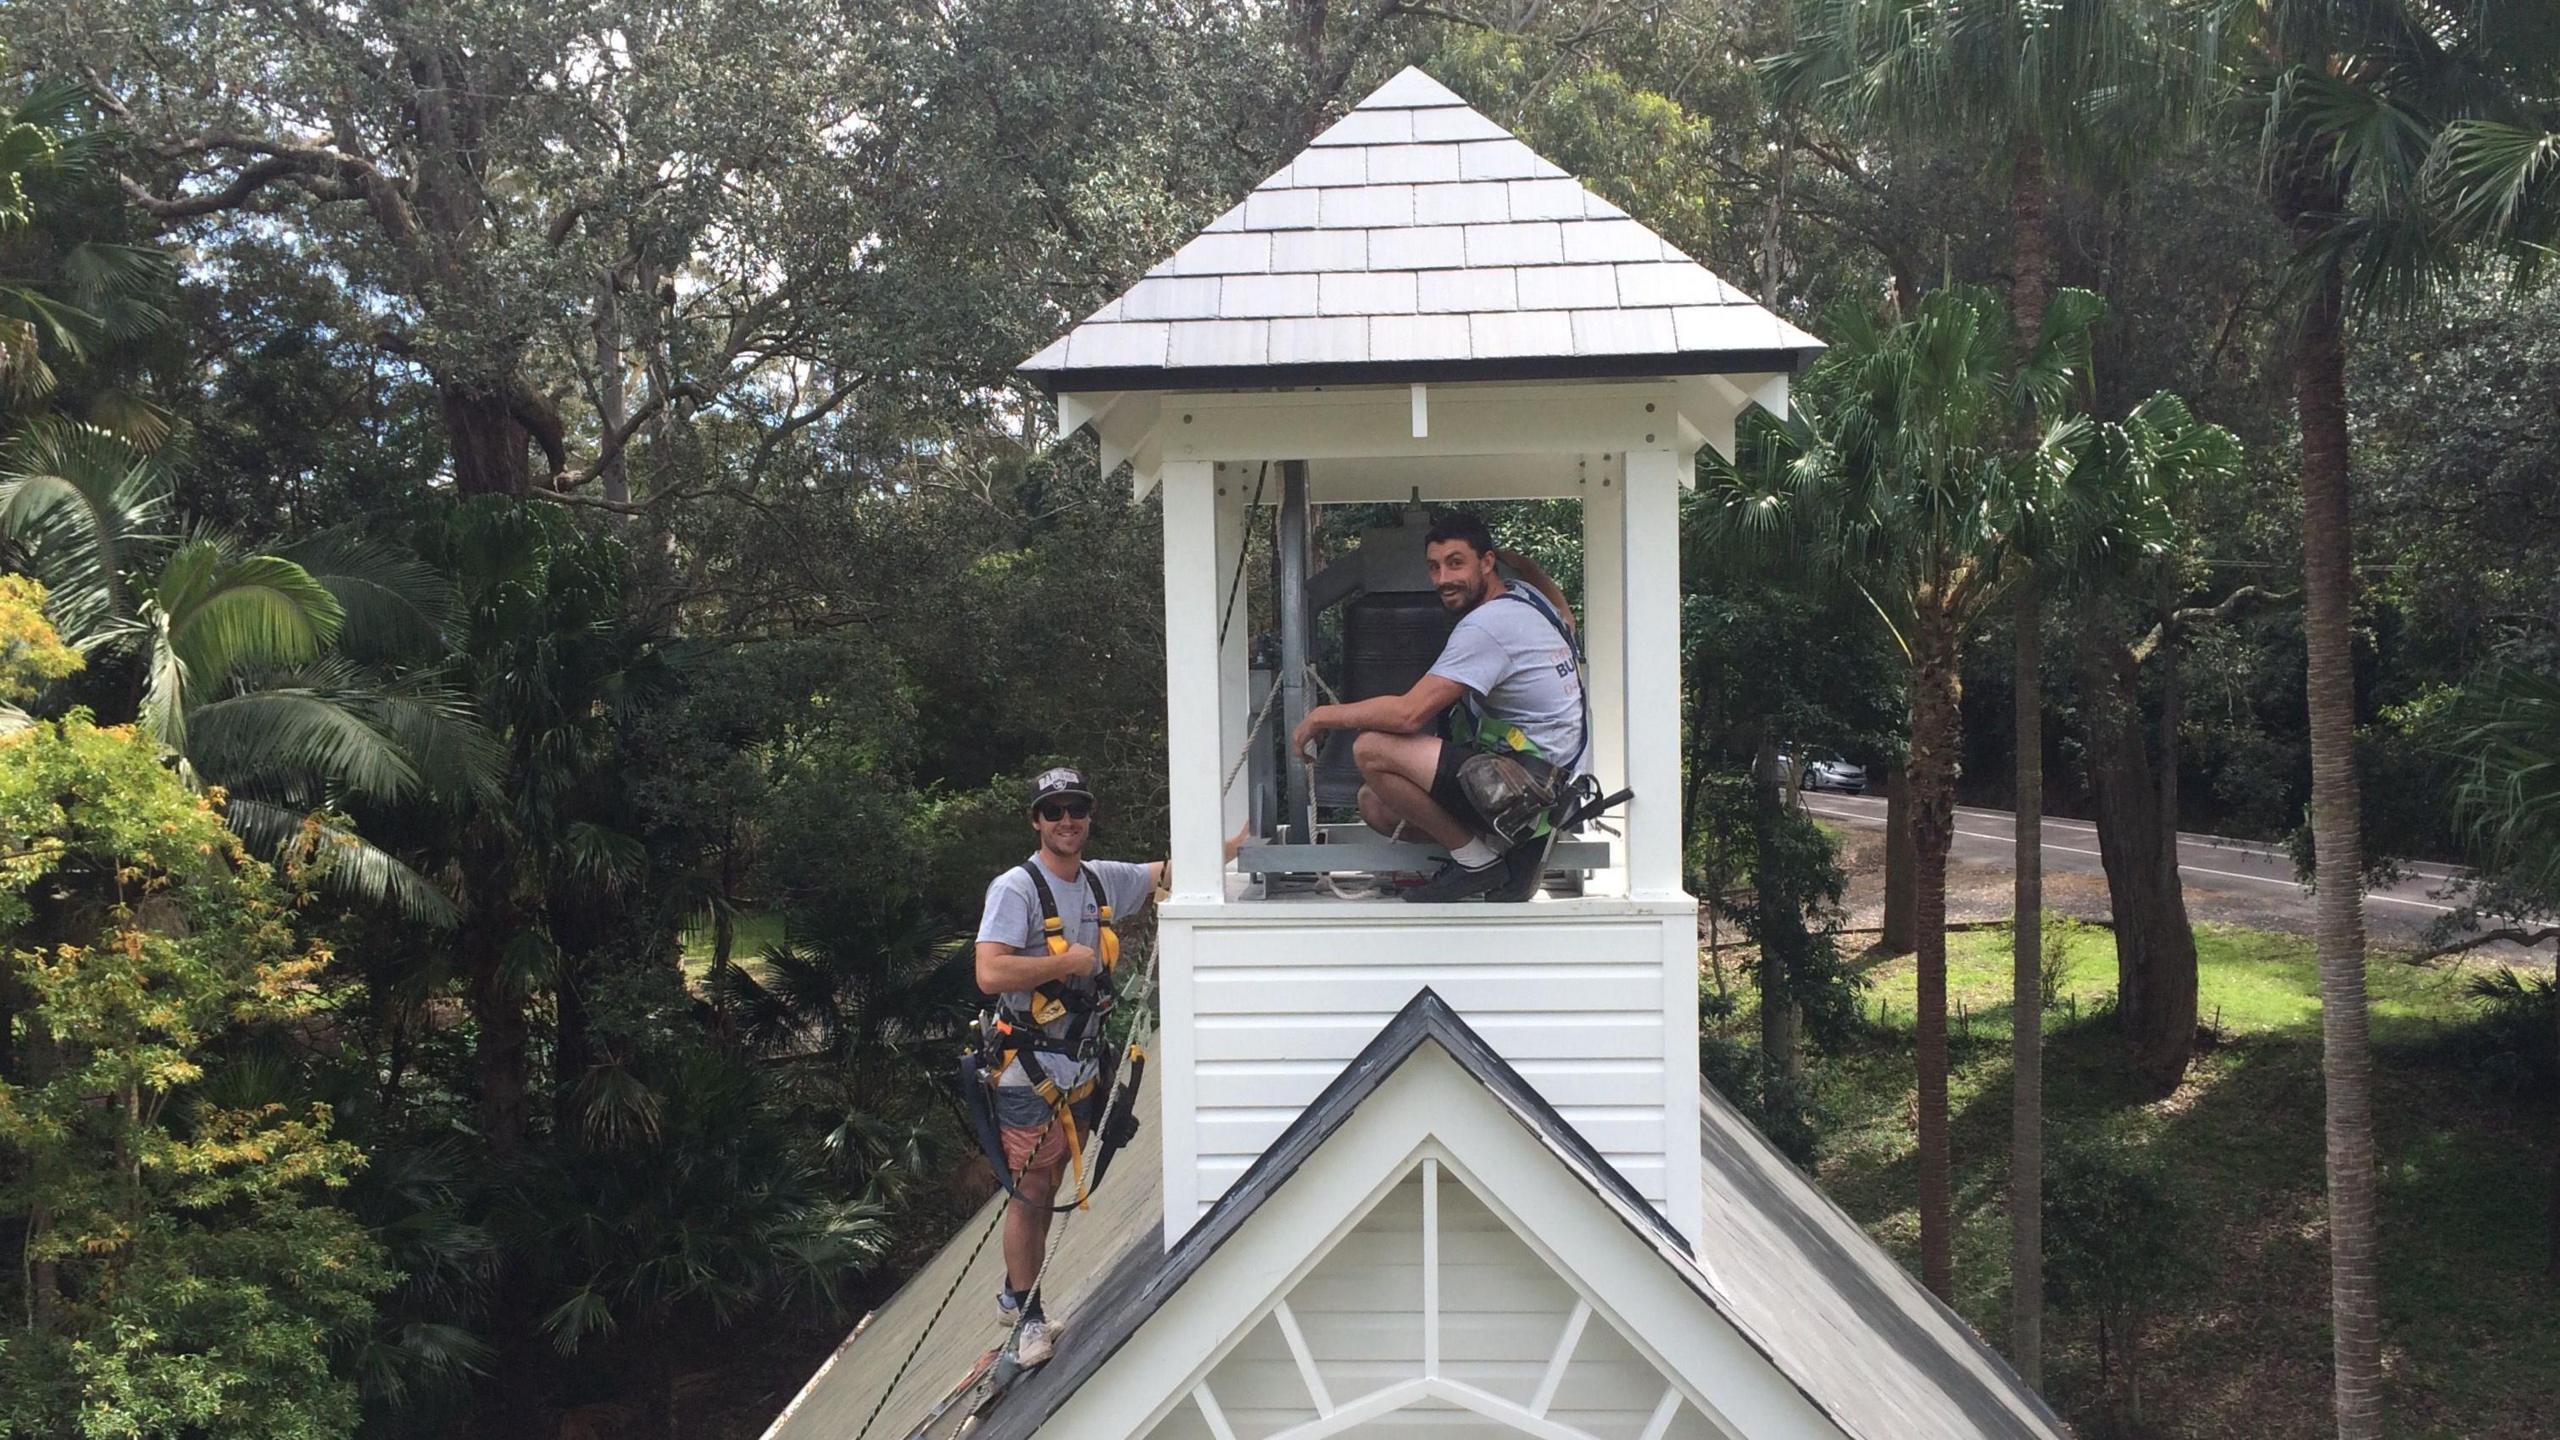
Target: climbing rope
[(1120, 1075)]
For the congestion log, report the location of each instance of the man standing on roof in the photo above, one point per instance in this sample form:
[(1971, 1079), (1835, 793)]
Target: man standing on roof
[(1047, 949), (1507, 678)]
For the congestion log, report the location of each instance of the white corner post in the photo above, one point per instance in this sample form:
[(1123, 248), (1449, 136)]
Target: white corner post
[(1652, 689), (1193, 723), (1604, 638)]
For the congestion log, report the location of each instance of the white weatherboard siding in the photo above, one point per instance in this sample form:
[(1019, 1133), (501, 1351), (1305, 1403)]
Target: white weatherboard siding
[(1264, 1006)]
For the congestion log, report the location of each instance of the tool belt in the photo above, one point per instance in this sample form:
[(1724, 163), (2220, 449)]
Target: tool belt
[(1008, 1036)]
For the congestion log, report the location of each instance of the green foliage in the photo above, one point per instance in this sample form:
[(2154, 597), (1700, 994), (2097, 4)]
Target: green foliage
[(32, 655), (185, 1272), (2113, 1232), (2514, 1039)]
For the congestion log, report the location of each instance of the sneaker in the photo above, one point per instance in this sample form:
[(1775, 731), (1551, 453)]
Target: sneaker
[(1035, 1340), (1457, 882), (1008, 1308)]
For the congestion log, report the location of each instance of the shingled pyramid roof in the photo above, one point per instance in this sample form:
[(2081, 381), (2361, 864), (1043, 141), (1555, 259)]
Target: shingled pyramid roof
[(1417, 240)]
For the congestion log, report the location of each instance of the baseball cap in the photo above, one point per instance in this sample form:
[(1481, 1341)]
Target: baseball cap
[(1061, 781)]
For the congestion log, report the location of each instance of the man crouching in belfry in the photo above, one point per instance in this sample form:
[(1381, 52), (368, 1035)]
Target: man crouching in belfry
[(1507, 680)]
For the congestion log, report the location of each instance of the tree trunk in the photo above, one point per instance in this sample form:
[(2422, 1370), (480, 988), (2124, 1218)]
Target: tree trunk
[(1936, 692), (1781, 1019), (491, 447), (2155, 944), (2026, 1030), (572, 1049), (2031, 240), (1901, 924), (611, 410), (2338, 922)]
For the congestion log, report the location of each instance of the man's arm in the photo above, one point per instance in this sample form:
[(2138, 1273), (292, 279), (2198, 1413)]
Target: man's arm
[(1000, 969), (1529, 570), (1404, 714), (1160, 872)]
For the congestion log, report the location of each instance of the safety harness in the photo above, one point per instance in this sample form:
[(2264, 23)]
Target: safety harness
[(1008, 1035)]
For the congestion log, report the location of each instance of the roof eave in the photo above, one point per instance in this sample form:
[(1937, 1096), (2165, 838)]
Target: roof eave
[(1096, 379)]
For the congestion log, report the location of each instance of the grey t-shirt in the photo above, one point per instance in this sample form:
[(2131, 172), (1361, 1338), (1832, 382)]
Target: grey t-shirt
[(1520, 671), (1012, 919)]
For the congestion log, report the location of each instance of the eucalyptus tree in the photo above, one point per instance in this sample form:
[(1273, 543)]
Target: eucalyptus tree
[(1902, 469), (2159, 460)]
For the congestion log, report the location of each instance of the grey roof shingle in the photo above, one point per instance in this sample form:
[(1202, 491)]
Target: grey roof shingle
[(1409, 212)]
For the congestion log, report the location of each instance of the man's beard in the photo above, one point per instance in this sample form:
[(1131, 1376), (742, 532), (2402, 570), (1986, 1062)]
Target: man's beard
[(1462, 600)]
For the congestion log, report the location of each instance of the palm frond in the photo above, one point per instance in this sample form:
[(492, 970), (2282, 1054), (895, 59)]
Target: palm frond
[(2512, 789), (348, 866), (228, 611), (279, 731), (83, 508), (395, 604)]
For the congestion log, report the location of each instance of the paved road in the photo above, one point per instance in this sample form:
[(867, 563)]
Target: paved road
[(2256, 880)]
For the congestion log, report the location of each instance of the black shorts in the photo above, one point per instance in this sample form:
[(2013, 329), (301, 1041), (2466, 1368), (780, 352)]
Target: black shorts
[(1451, 795)]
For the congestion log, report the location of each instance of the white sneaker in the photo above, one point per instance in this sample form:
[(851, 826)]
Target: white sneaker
[(1034, 1340)]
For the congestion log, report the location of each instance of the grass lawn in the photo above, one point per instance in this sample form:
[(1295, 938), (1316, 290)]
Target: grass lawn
[(2471, 1323), (756, 929)]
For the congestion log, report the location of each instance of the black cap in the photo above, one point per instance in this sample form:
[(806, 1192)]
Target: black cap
[(1064, 780)]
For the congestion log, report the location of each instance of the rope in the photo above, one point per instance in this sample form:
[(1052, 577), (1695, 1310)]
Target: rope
[(1119, 1077), (1245, 752), (1243, 548), (957, 1280)]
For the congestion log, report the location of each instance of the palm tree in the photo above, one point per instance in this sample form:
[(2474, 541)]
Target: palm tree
[(2345, 98), (242, 661), (2048, 82), (63, 294), (1902, 468)]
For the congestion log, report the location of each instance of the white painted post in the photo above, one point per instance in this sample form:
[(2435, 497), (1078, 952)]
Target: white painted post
[(1235, 698), (1604, 637), (1652, 552), (1192, 696)]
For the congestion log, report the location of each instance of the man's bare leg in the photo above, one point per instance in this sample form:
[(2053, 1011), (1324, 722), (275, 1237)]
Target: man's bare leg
[(1396, 771), (1026, 1225)]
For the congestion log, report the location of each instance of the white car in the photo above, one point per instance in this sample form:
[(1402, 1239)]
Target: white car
[(1833, 774)]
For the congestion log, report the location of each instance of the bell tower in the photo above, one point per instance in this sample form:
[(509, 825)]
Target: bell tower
[(1418, 310)]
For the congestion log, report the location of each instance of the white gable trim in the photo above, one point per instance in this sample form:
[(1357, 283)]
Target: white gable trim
[(1430, 1108)]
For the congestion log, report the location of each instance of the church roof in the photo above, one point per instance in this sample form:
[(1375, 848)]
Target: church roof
[(1417, 240), (1874, 1352)]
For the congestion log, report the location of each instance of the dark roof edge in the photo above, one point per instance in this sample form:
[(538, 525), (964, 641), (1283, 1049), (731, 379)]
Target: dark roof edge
[(1420, 372), (1425, 1017)]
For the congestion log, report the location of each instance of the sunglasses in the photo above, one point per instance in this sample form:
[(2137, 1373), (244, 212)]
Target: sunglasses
[(1056, 810)]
